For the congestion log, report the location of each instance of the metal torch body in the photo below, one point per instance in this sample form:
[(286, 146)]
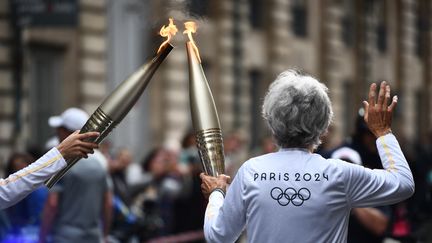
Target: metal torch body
[(205, 119), (115, 107)]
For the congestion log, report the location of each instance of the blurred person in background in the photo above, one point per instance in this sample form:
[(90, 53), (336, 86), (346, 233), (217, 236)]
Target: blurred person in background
[(327, 147), (78, 207), (25, 216), (422, 199), (190, 205), (156, 199), (295, 195), (266, 145), (125, 223), (365, 224), (117, 169), (233, 144)]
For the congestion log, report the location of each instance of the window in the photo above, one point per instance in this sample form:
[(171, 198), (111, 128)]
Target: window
[(349, 108), (381, 31), (347, 23), (46, 91), (422, 26), (256, 11), (198, 7), (299, 18), (256, 94), (381, 27)]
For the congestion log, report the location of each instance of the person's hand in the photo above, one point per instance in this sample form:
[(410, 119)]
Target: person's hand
[(210, 183), (74, 145), (378, 114)]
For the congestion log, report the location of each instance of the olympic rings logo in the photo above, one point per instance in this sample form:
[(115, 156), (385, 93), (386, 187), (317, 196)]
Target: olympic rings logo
[(290, 195)]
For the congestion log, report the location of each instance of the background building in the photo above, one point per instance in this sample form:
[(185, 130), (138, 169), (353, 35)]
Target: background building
[(84, 48)]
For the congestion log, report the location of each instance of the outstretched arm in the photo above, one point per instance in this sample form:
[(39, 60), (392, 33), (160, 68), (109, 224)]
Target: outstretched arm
[(20, 184)]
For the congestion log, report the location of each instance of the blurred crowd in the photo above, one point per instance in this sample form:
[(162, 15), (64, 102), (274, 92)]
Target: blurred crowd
[(118, 198), (114, 197)]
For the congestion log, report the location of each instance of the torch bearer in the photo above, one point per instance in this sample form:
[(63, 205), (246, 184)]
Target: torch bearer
[(205, 119), (115, 107)]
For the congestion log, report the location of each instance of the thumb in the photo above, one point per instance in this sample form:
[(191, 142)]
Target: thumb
[(366, 110)]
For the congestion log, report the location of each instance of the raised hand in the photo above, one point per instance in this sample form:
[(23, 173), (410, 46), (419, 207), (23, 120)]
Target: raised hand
[(74, 145), (378, 114)]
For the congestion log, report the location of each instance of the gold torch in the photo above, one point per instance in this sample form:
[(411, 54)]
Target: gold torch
[(115, 107), (205, 119)]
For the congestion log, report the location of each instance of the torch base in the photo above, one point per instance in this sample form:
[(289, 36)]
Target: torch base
[(210, 148)]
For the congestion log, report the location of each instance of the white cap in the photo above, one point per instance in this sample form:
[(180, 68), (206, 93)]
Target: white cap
[(346, 153), (72, 119), (52, 142)]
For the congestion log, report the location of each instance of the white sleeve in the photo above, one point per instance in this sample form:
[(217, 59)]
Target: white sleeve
[(394, 183), (21, 183), (225, 218)]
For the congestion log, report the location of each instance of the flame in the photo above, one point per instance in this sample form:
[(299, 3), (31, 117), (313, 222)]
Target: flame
[(191, 27), (168, 31)]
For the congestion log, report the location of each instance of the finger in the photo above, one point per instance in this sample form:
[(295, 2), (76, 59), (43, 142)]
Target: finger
[(366, 111), (393, 104), (372, 94), (86, 150), (89, 145), (381, 94), (82, 155), (386, 98), (202, 175), (88, 135)]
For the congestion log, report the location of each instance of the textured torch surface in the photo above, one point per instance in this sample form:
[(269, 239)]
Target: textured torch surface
[(204, 117), (115, 107)]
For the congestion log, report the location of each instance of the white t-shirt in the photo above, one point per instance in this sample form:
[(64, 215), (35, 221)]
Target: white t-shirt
[(20, 184), (296, 196)]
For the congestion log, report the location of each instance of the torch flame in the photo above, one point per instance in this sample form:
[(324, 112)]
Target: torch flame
[(168, 31), (191, 27)]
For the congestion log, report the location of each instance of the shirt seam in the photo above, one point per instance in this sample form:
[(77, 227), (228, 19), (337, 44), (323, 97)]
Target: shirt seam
[(19, 176), (387, 153)]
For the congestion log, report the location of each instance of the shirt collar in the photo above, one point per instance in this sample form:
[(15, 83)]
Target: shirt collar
[(302, 150)]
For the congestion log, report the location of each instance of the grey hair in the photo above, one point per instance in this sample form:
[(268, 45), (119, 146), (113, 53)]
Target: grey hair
[(297, 110)]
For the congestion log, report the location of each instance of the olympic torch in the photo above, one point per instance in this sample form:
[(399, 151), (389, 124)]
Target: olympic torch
[(205, 118), (115, 107)]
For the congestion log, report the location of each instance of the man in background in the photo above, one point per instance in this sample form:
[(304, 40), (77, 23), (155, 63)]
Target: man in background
[(368, 224), (78, 208)]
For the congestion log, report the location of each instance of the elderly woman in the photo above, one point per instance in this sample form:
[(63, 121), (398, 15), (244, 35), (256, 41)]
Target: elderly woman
[(294, 195)]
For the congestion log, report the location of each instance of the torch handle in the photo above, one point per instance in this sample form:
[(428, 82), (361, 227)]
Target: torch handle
[(210, 149), (98, 122)]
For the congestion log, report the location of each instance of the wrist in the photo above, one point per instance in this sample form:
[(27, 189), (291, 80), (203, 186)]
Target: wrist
[(383, 133), (218, 189), (61, 151)]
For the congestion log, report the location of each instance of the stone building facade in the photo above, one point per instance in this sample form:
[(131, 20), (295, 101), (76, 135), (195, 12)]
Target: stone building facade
[(244, 44)]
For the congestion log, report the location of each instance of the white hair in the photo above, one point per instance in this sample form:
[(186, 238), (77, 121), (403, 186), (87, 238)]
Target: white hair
[(297, 110)]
